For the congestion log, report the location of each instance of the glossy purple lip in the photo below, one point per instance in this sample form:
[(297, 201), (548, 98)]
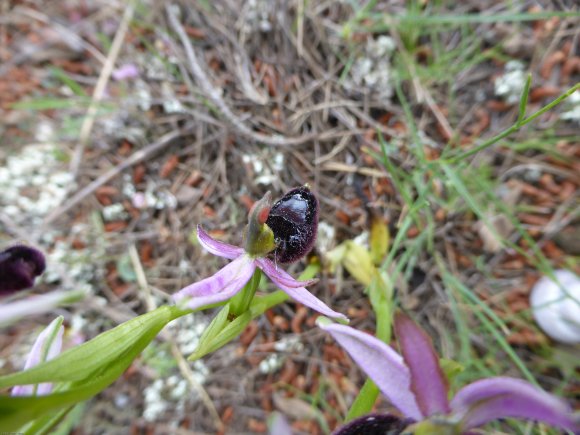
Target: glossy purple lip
[(294, 222)]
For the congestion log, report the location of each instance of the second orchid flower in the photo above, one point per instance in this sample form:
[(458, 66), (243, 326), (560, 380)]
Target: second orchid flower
[(414, 383)]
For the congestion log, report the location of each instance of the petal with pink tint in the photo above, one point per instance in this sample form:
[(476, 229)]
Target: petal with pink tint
[(427, 380), (381, 363), (37, 304), (216, 247), (303, 296), (127, 71), (490, 399), (280, 276), (278, 425), (219, 287), (47, 346)]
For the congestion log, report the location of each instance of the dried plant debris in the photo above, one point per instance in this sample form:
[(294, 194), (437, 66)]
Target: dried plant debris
[(312, 85)]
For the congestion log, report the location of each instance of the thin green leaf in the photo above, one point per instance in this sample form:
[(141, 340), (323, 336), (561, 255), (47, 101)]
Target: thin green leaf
[(414, 19), (87, 369), (68, 81), (51, 103), (381, 298), (216, 325), (364, 402), (227, 334), (46, 424), (524, 100), (80, 362)]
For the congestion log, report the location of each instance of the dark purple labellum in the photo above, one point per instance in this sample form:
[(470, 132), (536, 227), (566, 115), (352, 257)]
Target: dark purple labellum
[(374, 424), (294, 222), (19, 265)]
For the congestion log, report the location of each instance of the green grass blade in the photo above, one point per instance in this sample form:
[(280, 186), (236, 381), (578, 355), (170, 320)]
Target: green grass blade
[(524, 100)]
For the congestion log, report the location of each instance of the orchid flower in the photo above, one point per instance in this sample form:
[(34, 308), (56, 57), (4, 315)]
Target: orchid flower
[(259, 241), (47, 346), (415, 384), (19, 266)]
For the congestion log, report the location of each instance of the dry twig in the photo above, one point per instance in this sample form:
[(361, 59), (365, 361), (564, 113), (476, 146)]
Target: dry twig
[(99, 91), (214, 95)]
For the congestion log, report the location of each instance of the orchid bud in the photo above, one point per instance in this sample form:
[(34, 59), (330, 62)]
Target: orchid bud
[(294, 221), (258, 237), (19, 266)]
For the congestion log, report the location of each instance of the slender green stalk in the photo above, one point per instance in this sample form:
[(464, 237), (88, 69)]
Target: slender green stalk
[(524, 100), (386, 22), (240, 303), (364, 401)]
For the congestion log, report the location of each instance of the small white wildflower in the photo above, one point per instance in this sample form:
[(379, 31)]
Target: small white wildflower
[(289, 344), (170, 102), (155, 405), (362, 239), (278, 162), (371, 72), (121, 401), (114, 212), (44, 131), (271, 363), (511, 84), (128, 188), (326, 235)]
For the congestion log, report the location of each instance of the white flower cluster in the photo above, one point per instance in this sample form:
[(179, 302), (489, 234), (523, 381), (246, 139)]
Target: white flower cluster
[(71, 268), (32, 185), (275, 361), (257, 16), (372, 70), (187, 331), (173, 392), (510, 85), (154, 196), (165, 393), (265, 174)]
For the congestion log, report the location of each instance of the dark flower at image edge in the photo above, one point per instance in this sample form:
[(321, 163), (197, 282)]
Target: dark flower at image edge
[(19, 266)]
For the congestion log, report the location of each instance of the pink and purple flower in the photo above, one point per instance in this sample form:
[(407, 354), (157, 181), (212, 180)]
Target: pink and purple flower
[(260, 241)]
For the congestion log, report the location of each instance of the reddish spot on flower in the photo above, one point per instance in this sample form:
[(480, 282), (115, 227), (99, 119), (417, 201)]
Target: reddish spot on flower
[(263, 215)]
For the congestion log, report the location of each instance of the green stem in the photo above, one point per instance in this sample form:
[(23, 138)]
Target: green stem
[(364, 401), (516, 126), (381, 297), (240, 303)]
